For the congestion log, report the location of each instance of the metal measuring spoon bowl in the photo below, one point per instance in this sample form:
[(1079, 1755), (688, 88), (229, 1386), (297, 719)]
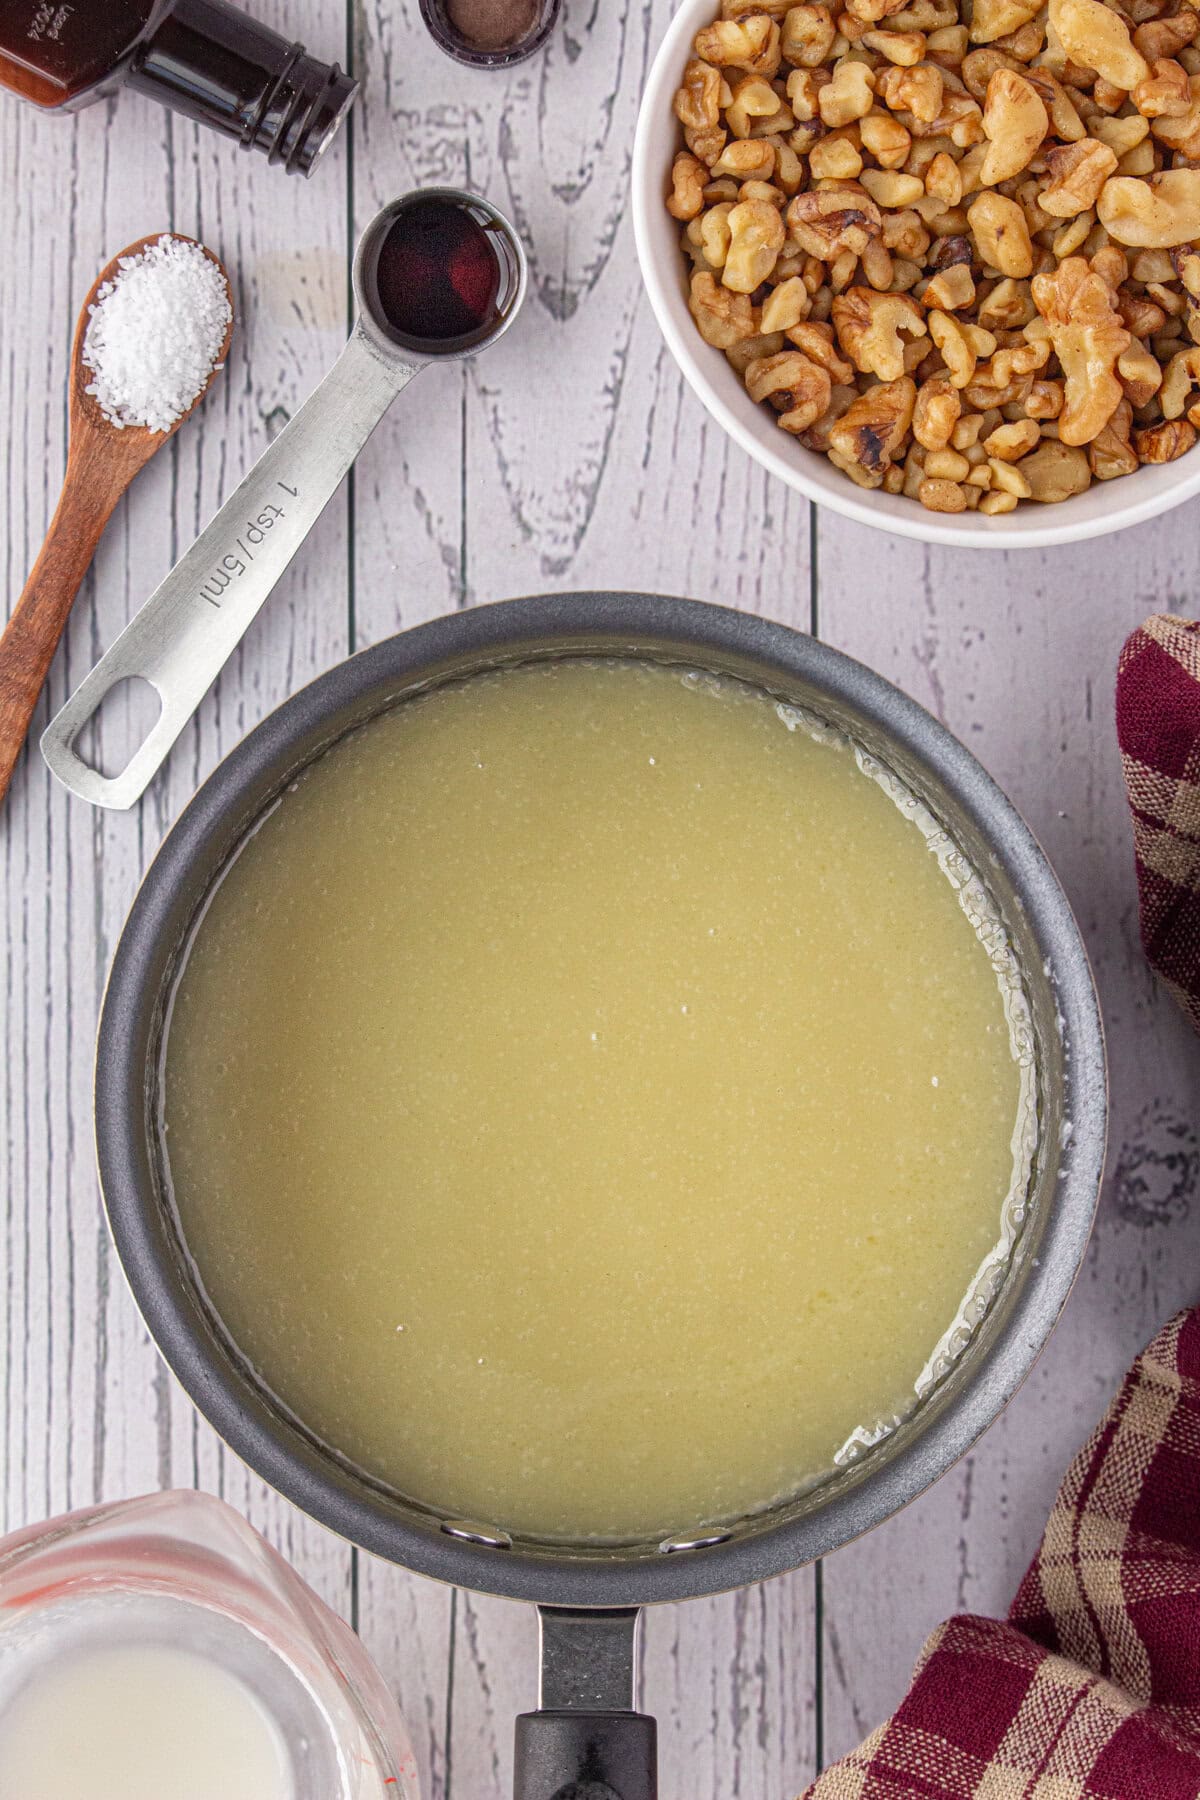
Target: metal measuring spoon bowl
[(182, 637)]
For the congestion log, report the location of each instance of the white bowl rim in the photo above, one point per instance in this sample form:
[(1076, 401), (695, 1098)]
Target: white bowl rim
[(1028, 528)]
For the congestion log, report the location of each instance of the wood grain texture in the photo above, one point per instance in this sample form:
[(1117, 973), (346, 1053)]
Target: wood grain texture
[(1022, 666), (572, 456), (89, 1412)]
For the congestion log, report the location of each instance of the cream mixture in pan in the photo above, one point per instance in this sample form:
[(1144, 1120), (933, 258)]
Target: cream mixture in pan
[(592, 1096)]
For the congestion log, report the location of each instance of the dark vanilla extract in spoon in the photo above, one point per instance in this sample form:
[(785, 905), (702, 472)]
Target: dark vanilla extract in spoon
[(437, 276)]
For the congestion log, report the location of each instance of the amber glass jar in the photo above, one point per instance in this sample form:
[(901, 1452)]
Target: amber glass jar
[(205, 58)]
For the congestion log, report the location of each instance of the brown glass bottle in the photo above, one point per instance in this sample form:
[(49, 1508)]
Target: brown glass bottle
[(205, 58)]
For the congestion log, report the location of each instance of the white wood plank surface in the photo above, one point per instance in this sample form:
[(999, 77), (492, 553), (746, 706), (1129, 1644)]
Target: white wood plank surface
[(570, 457)]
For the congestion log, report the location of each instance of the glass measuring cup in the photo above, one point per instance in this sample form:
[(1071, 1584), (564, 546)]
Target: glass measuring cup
[(183, 1570), (185, 633)]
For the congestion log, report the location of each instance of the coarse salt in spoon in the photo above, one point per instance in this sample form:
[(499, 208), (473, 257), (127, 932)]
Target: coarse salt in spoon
[(152, 334)]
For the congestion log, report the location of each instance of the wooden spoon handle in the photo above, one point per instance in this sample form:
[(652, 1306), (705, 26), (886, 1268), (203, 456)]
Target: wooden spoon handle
[(32, 633)]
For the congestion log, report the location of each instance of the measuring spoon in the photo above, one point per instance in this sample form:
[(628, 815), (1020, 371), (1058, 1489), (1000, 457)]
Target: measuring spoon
[(102, 460), (185, 633)]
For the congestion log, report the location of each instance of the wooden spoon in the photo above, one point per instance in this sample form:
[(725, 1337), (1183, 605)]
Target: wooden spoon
[(102, 460)]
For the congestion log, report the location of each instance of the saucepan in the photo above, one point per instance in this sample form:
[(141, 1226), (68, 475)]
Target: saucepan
[(586, 1727)]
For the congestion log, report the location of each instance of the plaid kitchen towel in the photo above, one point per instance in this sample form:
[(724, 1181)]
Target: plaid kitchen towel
[(1091, 1691), (1158, 728)]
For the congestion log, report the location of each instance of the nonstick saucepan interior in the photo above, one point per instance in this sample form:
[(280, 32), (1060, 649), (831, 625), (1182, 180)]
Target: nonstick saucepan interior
[(586, 1728)]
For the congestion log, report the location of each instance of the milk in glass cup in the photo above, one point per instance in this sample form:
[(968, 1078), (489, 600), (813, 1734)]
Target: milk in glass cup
[(160, 1646)]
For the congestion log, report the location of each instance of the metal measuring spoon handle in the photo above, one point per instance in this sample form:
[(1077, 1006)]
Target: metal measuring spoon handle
[(187, 630), (185, 633)]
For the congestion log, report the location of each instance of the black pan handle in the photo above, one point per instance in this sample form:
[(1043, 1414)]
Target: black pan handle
[(586, 1741), (586, 1756)]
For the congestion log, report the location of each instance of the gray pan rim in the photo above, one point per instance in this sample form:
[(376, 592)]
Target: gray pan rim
[(609, 623)]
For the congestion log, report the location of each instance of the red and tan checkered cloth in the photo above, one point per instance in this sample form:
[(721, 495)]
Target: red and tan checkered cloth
[(1158, 728), (1091, 1691)]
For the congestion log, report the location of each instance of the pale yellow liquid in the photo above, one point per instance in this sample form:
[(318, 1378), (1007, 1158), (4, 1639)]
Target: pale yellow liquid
[(588, 1103)]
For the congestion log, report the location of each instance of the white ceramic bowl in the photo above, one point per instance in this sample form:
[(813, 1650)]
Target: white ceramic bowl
[(1106, 506)]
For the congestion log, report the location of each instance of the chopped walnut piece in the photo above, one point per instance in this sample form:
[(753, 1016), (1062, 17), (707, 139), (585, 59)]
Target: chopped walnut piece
[(1111, 265), (1139, 314), (870, 12), (1139, 373), (798, 389), (715, 234), (960, 119), (755, 239), (688, 178), (1077, 173), (919, 91), (786, 305), (942, 496), (1164, 94), (746, 159), (817, 436), (992, 19), (1012, 441), (1153, 214), (723, 188), (958, 353), (1163, 443), (1016, 360), (1044, 400), (1180, 134), (724, 318), (751, 43), (837, 157), (1097, 37), (951, 290), (1166, 36), (979, 66), (885, 138), (1110, 452), (935, 413), (807, 36), (1054, 472), (1008, 479), (818, 343), (1008, 307), (943, 179), (1073, 235), (756, 109), (1088, 337), (1001, 234), (1014, 122), (697, 102), (737, 9), (947, 43), (829, 220), (1182, 375), (871, 432), (1186, 264), (803, 87), (1065, 121), (848, 95), (1121, 135), (740, 356), (706, 144), (869, 328), (903, 47)]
